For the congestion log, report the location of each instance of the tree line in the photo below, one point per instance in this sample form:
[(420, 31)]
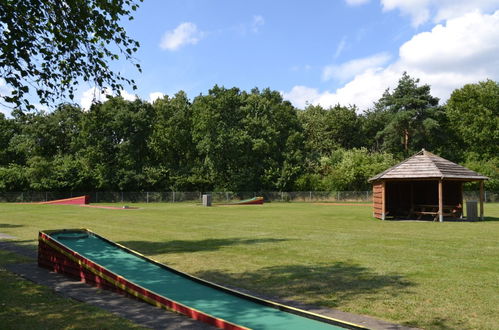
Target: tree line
[(237, 140)]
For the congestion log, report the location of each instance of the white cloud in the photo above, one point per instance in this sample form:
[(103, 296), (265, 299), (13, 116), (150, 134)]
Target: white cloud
[(463, 43), (361, 91), (93, 95), (356, 2), (461, 51), (422, 11), (184, 34), (258, 22), (154, 96), (351, 68), (127, 96), (418, 9), (301, 96)]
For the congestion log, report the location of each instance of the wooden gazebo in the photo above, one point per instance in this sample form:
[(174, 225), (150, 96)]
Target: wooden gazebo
[(424, 185)]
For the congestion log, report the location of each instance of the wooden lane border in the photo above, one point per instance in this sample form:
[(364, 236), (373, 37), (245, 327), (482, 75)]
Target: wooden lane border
[(166, 303)]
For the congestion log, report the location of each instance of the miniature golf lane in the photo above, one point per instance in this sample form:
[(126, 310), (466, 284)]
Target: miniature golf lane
[(186, 291)]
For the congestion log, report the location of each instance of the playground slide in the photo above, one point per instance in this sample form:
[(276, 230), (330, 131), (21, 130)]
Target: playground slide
[(251, 201), (84, 254), (80, 200)]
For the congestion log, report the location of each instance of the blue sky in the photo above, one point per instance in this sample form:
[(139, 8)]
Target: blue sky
[(313, 52)]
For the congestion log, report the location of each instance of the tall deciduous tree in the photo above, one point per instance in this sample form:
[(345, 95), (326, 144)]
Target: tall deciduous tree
[(115, 151), (46, 46), (8, 129), (174, 155), (247, 141), (474, 114), (329, 129)]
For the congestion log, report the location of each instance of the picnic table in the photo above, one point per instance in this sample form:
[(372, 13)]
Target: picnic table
[(430, 209)]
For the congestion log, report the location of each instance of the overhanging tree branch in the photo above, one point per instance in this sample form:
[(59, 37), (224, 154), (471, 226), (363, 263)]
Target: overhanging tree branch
[(47, 46)]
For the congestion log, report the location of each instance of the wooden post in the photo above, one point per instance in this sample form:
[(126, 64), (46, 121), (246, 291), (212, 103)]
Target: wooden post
[(440, 201), (481, 199), (412, 199), (383, 200), (461, 199)]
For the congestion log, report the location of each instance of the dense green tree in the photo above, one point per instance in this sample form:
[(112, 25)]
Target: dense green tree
[(241, 141), (413, 118), (115, 134), (8, 129), (488, 167), (13, 178), (219, 136), (373, 121), (174, 154), (329, 129), (350, 169), (47, 46), (276, 156), (247, 141), (473, 111)]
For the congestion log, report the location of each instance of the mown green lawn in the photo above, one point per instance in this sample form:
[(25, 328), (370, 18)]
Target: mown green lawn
[(25, 305), (423, 274)]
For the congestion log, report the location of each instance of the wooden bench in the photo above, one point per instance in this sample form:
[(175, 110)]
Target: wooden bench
[(423, 209)]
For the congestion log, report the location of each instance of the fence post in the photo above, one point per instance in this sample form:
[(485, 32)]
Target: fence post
[(147, 197), (122, 196), (227, 196), (173, 197), (310, 195)]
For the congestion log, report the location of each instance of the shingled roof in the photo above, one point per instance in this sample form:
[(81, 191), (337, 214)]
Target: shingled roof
[(425, 165)]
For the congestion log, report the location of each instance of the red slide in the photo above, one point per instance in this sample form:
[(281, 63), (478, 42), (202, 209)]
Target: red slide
[(70, 201)]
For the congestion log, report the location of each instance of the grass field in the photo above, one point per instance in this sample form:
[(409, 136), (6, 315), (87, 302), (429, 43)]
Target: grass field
[(25, 305), (423, 274)]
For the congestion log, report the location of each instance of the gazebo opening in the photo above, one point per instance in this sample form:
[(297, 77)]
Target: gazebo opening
[(412, 198)]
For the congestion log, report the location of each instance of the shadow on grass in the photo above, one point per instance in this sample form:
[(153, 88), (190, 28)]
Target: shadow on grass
[(491, 219), (438, 323), (326, 285), (8, 225), (178, 246)]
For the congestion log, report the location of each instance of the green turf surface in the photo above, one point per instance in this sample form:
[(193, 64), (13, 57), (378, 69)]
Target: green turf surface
[(25, 305), (185, 291), (423, 274)]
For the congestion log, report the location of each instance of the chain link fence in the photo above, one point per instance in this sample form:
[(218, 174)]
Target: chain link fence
[(217, 197)]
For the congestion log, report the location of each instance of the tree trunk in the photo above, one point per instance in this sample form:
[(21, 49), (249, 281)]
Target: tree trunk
[(406, 140)]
